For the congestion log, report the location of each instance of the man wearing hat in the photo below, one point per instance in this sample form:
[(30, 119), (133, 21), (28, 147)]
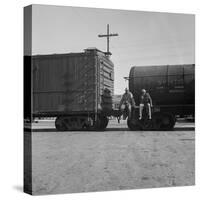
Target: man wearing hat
[(145, 101), (127, 100)]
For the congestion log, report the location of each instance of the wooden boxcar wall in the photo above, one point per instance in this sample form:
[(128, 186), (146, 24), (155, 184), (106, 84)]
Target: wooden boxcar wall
[(71, 82), (105, 82)]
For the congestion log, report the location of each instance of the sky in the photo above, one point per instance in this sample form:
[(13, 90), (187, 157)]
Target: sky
[(145, 38)]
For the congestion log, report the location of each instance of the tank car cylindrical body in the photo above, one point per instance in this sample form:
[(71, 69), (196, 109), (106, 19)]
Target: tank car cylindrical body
[(172, 87)]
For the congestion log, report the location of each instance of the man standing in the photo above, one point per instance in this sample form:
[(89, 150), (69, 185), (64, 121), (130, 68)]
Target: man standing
[(145, 101), (127, 100)]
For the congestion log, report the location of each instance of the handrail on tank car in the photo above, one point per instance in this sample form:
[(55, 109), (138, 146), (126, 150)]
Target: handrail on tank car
[(126, 78)]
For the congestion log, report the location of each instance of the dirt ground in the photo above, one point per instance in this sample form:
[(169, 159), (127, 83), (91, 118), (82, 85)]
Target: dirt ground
[(66, 162)]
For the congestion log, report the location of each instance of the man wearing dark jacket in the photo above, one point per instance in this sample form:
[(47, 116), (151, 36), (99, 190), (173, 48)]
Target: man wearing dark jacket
[(145, 101), (127, 100)]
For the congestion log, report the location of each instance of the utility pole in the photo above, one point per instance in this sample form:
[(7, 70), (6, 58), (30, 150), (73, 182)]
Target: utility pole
[(108, 35)]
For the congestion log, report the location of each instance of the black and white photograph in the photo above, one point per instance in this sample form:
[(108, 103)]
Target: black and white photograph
[(109, 99)]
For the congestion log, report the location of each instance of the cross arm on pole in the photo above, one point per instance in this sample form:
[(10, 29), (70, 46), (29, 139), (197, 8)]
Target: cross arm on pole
[(114, 34), (108, 35)]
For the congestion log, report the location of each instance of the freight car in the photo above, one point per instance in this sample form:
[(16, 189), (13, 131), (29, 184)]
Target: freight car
[(172, 88), (76, 88)]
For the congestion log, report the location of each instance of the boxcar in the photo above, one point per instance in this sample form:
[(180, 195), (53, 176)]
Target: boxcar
[(172, 88), (76, 88)]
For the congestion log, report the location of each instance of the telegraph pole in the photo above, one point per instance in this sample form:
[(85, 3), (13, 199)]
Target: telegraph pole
[(108, 35)]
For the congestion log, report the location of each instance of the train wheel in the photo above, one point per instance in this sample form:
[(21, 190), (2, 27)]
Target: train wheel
[(60, 124), (168, 121), (71, 123), (101, 123), (76, 123), (147, 124), (156, 121), (133, 125), (105, 124)]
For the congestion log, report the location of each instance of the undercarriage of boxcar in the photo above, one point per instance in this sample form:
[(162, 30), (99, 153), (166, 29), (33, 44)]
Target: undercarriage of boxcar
[(87, 121), (81, 122)]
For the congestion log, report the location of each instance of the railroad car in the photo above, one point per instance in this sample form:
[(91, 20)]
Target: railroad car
[(75, 88), (172, 89)]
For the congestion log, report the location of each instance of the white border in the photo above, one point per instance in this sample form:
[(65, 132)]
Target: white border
[(11, 40)]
